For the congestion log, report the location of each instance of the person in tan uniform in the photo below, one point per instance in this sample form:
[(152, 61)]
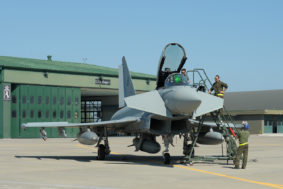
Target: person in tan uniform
[(218, 87), (243, 148)]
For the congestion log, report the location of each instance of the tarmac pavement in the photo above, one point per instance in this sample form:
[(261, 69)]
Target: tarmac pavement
[(61, 163)]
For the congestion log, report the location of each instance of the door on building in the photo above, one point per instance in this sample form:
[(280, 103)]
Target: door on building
[(268, 126), (280, 124), (273, 124), (274, 129), (91, 111), (33, 103)]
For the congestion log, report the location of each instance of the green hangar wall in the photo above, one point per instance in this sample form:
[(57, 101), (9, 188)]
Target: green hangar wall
[(33, 90), (31, 103)]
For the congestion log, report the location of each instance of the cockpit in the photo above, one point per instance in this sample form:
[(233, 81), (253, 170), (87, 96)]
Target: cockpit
[(172, 60), (175, 79)]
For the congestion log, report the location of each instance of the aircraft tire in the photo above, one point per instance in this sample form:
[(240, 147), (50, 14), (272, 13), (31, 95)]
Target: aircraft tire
[(167, 158), (101, 152)]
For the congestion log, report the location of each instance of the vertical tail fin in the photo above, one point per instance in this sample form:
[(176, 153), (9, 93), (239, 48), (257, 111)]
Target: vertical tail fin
[(126, 87)]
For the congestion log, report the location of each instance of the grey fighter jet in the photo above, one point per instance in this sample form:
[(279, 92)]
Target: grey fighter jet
[(165, 111)]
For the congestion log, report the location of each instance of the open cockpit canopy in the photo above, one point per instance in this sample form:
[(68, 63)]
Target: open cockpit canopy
[(172, 60)]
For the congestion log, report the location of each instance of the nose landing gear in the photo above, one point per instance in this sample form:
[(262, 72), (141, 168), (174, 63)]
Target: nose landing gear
[(167, 158), (168, 139)]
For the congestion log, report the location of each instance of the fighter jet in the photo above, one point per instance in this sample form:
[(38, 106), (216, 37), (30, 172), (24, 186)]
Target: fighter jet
[(165, 111)]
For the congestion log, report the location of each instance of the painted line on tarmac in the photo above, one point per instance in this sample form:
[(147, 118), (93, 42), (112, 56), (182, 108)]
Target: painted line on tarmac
[(86, 147), (206, 172), (230, 177)]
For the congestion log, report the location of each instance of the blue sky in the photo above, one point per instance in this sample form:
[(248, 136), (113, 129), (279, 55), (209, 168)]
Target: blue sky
[(242, 40)]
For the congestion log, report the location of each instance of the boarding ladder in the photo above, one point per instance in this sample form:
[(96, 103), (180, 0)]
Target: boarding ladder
[(223, 120)]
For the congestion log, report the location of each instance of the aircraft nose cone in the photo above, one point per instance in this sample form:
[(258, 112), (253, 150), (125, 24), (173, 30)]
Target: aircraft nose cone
[(182, 100)]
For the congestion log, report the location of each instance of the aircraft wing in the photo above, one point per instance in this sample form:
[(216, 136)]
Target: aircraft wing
[(213, 124), (111, 123)]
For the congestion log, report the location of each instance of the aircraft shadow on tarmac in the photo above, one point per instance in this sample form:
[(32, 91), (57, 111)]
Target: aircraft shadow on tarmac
[(111, 159), (76, 158), (141, 160), (128, 159)]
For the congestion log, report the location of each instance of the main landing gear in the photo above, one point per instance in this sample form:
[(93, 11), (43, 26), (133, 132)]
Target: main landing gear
[(101, 152)]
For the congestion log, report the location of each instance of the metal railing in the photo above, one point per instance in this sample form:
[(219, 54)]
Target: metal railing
[(203, 78), (200, 78), (206, 82)]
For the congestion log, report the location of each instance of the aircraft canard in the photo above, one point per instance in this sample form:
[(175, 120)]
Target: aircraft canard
[(150, 102)]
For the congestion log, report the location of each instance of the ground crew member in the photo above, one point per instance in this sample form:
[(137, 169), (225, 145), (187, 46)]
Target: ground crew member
[(184, 73), (218, 87), (243, 148)]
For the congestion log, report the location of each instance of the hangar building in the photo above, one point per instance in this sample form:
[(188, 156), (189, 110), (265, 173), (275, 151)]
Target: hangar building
[(35, 90), (263, 109)]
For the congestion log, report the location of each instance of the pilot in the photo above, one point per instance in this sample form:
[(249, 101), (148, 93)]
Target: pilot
[(243, 148), (218, 87), (184, 73), (167, 73), (167, 70)]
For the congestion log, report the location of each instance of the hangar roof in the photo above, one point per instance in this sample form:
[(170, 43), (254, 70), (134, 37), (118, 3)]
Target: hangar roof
[(58, 66), (254, 100)]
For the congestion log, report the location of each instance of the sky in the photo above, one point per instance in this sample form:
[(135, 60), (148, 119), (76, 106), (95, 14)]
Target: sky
[(241, 40)]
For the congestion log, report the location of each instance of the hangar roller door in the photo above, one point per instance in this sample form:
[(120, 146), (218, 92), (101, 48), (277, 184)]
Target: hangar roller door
[(32, 103), (280, 125), (273, 124), (268, 126)]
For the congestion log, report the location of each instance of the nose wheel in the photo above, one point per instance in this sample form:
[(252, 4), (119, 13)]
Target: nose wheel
[(168, 139), (167, 158)]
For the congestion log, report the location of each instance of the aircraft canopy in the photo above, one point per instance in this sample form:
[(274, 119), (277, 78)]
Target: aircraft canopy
[(172, 60)]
